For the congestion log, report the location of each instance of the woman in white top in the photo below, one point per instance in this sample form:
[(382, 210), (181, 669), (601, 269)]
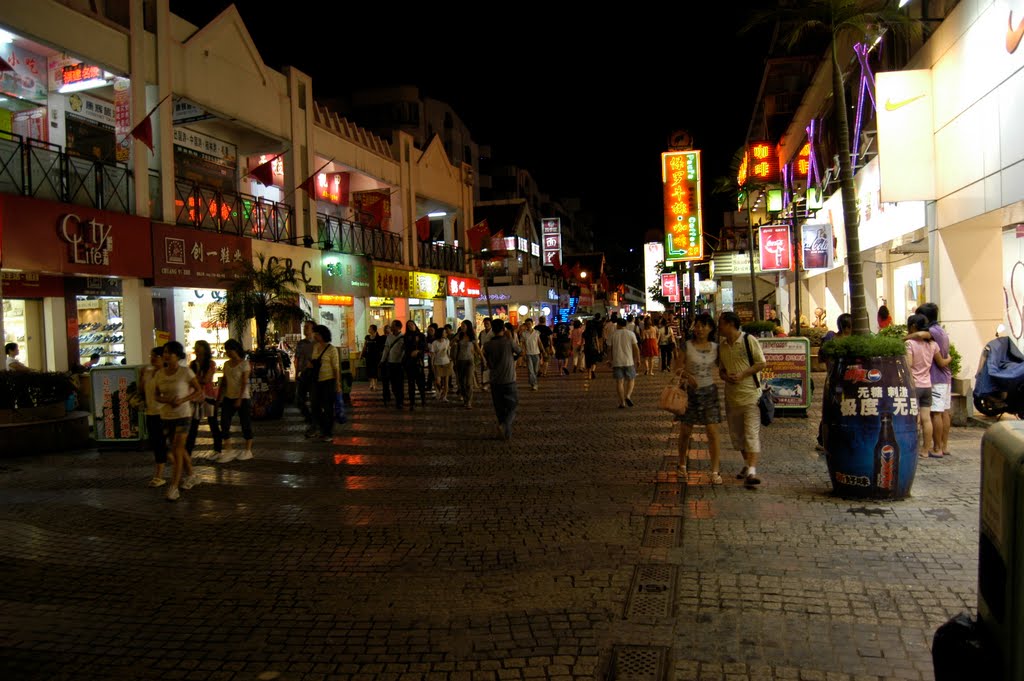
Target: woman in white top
[(442, 363), (176, 388), (701, 357), (154, 426), (327, 369), (234, 397), (667, 343)]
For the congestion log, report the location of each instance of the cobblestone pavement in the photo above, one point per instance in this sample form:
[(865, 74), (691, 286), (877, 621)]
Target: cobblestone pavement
[(419, 545)]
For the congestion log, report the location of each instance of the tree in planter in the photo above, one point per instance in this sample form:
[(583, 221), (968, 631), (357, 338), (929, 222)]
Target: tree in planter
[(842, 21), (265, 292)]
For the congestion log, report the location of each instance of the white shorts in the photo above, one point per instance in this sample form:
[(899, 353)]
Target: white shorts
[(940, 397), (744, 427)]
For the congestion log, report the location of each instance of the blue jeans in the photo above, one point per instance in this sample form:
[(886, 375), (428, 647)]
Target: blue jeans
[(532, 364), (505, 397)]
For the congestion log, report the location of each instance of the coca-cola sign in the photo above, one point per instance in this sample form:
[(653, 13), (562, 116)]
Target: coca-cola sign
[(818, 246), (776, 248)]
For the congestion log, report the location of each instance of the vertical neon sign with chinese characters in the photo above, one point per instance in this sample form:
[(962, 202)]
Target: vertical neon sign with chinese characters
[(680, 176)]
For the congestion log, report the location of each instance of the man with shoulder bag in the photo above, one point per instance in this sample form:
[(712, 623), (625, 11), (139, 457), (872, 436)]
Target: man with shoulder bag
[(304, 376), (740, 360)]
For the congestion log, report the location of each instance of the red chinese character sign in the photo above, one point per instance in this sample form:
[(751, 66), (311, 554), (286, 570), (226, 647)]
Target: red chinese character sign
[(776, 248), (760, 165), (680, 176), (670, 287), (551, 233)]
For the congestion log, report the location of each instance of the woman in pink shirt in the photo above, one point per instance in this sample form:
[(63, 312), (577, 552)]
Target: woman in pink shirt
[(920, 356)]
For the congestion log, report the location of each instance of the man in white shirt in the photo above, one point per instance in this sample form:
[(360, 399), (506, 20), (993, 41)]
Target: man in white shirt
[(529, 337), (625, 355)]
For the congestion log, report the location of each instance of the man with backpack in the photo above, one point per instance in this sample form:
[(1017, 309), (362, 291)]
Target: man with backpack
[(740, 359)]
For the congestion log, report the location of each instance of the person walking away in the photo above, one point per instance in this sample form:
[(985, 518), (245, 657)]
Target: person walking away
[(394, 354), (562, 343), (700, 356), (531, 341), (204, 368), (741, 391), (154, 424), (431, 334), (465, 350), (373, 350), (579, 360), (648, 346), (845, 325), (625, 355), (327, 370), (234, 397), (440, 350), (593, 345), (176, 388), (485, 336), (546, 346), (415, 347), (666, 343), (304, 378), (942, 379), (500, 354), (11, 350), (921, 354)]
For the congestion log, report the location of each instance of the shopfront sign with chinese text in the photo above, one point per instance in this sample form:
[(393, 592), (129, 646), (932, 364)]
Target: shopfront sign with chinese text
[(333, 188), (776, 248), (191, 258), (346, 275), (680, 176), (28, 77), (347, 301), (523, 244), (390, 283), (427, 285), (215, 149), (464, 287), (31, 285), (760, 165), (551, 235), (63, 238)]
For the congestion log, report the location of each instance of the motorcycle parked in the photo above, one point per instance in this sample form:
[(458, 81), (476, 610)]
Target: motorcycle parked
[(999, 382)]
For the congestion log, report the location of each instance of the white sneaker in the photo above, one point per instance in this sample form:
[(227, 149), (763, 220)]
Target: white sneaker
[(173, 494), (227, 456), (244, 456), (190, 482)]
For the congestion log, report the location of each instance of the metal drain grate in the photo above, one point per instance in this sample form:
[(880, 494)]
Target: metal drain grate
[(651, 593), (636, 663), (667, 494), (662, 532)]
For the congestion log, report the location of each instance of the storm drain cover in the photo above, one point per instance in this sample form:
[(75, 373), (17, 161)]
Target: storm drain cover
[(637, 663), (662, 532), (666, 494), (651, 593)]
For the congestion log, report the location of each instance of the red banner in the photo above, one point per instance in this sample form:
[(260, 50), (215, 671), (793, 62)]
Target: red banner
[(776, 248), (191, 258), (46, 236), (373, 208)]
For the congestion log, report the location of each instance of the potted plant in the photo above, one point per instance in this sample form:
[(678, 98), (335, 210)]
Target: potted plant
[(759, 329), (264, 292), (33, 395), (870, 417)]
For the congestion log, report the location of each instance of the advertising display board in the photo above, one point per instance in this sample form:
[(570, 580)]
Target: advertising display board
[(788, 374), (113, 388)]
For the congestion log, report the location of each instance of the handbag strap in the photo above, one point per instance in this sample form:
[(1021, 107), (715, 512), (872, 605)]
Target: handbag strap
[(750, 357)]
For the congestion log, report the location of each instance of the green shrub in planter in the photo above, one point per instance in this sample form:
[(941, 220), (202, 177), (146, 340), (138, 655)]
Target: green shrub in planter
[(23, 389), (900, 331), (757, 328), (813, 334), (865, 346)]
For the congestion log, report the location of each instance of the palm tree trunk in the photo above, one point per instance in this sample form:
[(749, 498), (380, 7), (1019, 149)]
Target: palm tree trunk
[(851, 217)]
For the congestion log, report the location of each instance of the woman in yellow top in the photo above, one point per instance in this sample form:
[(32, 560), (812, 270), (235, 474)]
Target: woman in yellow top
[(327, 369)]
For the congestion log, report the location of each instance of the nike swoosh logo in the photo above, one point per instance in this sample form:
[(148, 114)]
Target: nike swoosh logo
[(1013, 35), (892, 106)]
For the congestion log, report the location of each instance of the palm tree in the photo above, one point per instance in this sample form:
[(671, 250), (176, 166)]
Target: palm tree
[(842, 21), (266, 293)]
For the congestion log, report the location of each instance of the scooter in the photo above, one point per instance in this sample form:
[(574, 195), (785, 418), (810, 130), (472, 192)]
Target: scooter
[(999, 381)]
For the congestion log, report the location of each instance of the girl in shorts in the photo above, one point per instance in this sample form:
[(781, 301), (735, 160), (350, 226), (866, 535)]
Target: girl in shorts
[(920, 356), (700, 357), (176, 389)]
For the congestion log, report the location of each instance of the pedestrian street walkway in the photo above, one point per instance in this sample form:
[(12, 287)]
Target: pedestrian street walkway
[(420, 545)]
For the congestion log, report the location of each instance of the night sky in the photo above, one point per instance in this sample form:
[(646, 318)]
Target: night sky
[(585, 101)]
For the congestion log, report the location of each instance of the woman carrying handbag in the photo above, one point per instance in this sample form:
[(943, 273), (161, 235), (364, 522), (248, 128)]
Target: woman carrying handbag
[(700, 358)]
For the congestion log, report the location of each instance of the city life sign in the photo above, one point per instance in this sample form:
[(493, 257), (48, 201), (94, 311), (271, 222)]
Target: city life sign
[(680, 177)]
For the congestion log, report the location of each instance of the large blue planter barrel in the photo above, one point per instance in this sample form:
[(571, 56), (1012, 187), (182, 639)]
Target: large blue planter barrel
[(870, 416)]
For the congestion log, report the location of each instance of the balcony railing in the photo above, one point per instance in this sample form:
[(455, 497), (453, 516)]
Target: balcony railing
[(208, 208), (442, 257), (42, 170), (343, 236)]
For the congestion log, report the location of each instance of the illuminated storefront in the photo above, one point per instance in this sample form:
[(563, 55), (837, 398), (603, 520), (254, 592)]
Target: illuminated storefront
[(345, 305)]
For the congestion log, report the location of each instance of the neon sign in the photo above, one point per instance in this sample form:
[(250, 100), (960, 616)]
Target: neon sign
[(680, 175)]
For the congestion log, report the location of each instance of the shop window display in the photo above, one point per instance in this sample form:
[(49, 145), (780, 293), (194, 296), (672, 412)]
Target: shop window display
[(100, 329), (199, 325), (16, 330)]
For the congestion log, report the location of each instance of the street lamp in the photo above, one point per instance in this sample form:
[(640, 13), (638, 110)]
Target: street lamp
[(583, 275)]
